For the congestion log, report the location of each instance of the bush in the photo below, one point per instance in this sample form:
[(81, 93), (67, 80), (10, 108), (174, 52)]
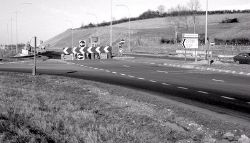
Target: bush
[(227, 20), (235, 41), (167, 41)]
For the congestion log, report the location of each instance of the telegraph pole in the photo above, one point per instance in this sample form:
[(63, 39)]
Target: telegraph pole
[(34, 66)]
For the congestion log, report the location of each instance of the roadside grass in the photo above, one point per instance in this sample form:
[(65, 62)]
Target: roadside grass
[(59, 109)]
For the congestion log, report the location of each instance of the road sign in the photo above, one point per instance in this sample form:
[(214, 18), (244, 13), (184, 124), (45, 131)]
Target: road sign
[(80, 56), (190, 41), (83, 50), (82, 43), (67, 51)]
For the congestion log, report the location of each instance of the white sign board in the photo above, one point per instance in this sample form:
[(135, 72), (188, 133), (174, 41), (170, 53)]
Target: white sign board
[(190, 41)]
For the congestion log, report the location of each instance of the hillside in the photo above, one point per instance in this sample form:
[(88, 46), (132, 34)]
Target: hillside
[(146, 34)]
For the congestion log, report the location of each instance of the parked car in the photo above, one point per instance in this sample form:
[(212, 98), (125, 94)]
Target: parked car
[(242, 58)]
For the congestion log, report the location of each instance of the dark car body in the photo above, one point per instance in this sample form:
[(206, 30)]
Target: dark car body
[(242, 58)]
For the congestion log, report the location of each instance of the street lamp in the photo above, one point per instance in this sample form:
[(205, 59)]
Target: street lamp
[(206, 40), (111, 27), (17, 26), (72, 38), (129, 28)]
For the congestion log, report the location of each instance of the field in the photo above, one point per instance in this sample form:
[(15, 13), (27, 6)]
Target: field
[(146, 34)]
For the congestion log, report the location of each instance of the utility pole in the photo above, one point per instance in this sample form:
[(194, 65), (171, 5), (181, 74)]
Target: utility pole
[(34, 66), (111, 27), (11, 32), (16, 35)]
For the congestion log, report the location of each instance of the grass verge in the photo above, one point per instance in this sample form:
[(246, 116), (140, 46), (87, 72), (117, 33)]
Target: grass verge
[(59, 109)]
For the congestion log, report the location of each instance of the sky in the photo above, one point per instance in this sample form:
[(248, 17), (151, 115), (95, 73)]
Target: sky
[(47, 18)]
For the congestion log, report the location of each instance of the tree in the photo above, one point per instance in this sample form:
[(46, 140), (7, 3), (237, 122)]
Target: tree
[(161, 9), (194, 6), (179, 19)]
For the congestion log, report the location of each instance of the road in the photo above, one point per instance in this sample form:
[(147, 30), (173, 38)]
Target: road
[(202, 88)]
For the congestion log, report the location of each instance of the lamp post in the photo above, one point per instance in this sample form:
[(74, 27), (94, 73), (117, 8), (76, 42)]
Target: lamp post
[(111, 27), (129, 28), (206, 33), (17, 26)]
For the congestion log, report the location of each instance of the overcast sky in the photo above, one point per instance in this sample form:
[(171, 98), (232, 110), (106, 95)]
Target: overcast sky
[(47, 18)]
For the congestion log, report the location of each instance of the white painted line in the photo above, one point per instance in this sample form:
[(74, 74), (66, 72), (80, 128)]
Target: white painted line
[(96, 68), (114, 72), (203, 92), (126, 66), (153, 81), (107, 71), (182, 88), (152, 63), (122, 74), (248, 102), (131, 76), (141, 78), (162, 71), (217, 80), (165, 84), (101, 69), (241, 73), (228, 98)]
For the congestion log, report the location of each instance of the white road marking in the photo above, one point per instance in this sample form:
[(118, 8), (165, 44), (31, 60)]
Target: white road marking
[(165, 84), (126, 66), (131, 76), (203, 92), (182, 88), (162, 71), (96, 68), (122, 74), (141, 78), (107, 71), (230, 98), (114, 72), (248, 102), (217, 80), (152, 81), (152, 63)]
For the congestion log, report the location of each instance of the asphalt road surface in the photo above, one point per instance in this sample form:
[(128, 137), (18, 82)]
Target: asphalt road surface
[(208, 89)]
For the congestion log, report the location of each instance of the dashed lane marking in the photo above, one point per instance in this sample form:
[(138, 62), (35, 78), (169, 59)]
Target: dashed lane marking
[(153, 81), (162, 71), (165, 84), (130, 76), (126, 66), (122, 74), (248, 102), (141, 78), (217, 80), (203, 92), (107, 71), (114, 72), (229, 98), (182, 88)]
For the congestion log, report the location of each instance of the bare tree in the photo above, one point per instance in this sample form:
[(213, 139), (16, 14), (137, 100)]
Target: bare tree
[(194, 6), (161, 9), (180, 20)]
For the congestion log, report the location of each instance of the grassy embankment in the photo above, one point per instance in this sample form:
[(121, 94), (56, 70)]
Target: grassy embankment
[(146, 34), (58, 109)]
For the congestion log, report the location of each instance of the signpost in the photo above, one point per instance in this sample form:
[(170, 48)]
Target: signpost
[(190, 41)]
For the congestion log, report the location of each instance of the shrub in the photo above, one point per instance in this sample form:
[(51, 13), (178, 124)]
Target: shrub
[(228, 20)]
